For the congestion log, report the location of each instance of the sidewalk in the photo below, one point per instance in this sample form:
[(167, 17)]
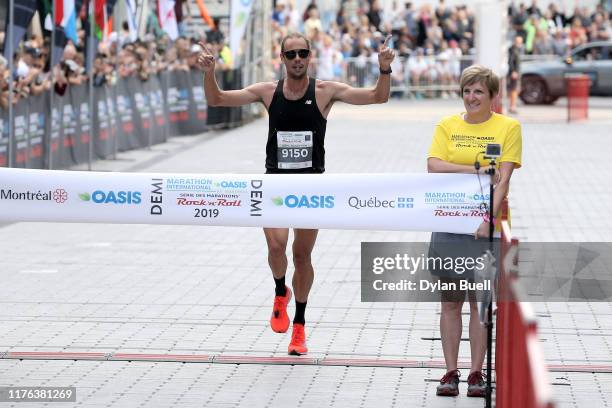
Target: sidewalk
[(178, 315)]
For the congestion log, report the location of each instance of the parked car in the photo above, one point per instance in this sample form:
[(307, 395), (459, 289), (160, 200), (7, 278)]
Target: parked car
[(544, 81)]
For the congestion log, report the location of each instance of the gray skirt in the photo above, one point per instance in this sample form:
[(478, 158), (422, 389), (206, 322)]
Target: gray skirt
[(456, 252)]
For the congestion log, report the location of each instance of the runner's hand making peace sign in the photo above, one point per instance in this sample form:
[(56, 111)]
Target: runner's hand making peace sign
[(206, 59), (385, 54)]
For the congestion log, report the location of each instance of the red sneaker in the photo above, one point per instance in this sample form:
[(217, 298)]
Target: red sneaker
[(297, 347), (449, 384), (279, 321), (476, 385)]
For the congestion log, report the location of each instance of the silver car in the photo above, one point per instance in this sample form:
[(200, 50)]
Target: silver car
[(545, 81)]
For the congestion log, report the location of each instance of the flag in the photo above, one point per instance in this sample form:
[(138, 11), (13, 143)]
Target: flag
[(45, 13), (167, 18), (240, 10), (110, 5), (68, 20), (142, 16), (103, 11), (64, 10), (204, 13), (82, 10), (23, 12), (130, 6), (100, 17), (59, 12)]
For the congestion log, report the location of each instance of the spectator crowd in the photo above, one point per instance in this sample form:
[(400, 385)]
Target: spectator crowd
[(434, 43), (115, 57), (430, 41), (552, 31)]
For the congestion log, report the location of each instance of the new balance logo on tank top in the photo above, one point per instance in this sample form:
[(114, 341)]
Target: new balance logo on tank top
[(296, 133)]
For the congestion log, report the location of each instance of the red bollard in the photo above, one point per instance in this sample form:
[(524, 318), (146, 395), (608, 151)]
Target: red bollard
[(577, 96)]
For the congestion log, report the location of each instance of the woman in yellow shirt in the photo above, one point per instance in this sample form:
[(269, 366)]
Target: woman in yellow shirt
[(458, 142)]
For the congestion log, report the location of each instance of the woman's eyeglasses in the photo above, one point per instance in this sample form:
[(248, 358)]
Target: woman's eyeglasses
[(303, 53)]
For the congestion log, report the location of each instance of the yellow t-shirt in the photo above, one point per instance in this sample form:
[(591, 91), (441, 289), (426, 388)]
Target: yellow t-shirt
[(459, 142)]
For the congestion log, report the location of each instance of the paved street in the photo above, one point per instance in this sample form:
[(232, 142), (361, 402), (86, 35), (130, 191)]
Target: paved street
[(125, 296)]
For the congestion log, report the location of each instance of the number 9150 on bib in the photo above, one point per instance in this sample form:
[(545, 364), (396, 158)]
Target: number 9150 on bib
[(294, 149)]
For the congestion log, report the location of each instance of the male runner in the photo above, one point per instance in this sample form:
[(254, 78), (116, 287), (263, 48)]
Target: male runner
[(298, 107)]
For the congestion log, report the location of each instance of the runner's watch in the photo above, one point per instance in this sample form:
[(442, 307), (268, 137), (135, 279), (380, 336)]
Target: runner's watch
[(385, 71)]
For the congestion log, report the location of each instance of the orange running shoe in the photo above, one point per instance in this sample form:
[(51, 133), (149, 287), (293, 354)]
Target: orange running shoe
[(279, 321), (297, 347)]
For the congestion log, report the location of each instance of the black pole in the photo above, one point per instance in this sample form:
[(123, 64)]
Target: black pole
[(491, 172), (49, 139), (10, 33), (90, 61)]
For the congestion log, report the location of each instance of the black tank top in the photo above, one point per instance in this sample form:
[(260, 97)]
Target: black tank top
[(299, 126)]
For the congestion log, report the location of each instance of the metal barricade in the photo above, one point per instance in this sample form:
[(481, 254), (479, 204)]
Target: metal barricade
[(416, 76)]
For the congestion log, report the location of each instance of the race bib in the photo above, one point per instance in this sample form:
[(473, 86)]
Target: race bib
[(294, 149)]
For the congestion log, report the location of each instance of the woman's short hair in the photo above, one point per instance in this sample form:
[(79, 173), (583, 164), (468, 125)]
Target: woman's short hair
[(294, 35), (478, 74)]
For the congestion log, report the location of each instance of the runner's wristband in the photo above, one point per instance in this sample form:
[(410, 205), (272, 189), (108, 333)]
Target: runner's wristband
[(385, 71)]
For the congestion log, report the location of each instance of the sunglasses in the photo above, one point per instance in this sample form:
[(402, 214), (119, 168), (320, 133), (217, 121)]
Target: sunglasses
[(303, 53)]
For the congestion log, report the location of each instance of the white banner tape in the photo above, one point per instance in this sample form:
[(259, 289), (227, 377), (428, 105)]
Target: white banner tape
[(418, 202)]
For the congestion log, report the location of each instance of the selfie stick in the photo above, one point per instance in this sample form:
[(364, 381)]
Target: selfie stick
[(491, 172), (489, 312)]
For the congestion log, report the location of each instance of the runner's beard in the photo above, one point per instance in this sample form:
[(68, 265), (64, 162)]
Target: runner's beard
[(294, 76)]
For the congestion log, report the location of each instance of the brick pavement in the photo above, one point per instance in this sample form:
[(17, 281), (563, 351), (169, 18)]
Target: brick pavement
[(207, 291)]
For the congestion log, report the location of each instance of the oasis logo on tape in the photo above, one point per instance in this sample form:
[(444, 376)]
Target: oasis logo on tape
[(304, 201), (112, 197)]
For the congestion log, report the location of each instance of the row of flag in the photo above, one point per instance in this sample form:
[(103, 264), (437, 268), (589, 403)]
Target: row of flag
[(61, 16)]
